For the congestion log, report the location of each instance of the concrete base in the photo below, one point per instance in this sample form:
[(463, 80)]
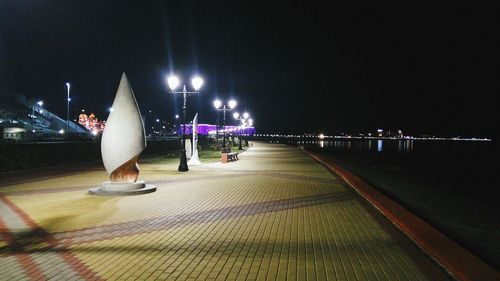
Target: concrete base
[(194, 162), (122, 188)]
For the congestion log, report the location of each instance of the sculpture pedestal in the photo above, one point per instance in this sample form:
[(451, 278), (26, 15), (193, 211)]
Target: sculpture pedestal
[(194, 161), (122, 188)]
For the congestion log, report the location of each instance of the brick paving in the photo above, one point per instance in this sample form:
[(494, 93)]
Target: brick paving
[(276, 214)]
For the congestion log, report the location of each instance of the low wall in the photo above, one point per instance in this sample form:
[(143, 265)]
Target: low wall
[(17, 156)]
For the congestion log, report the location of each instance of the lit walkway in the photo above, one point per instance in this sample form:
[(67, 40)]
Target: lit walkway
[(275, 214)]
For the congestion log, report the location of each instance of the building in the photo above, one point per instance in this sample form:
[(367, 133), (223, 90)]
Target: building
[(208, 129), (13, 133), (91, 122)]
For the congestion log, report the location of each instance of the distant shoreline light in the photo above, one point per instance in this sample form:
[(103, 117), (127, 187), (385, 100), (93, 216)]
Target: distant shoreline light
[(325, 137)]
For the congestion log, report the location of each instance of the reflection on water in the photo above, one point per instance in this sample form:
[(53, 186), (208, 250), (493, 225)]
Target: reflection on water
[(370, 145), (402, 146)]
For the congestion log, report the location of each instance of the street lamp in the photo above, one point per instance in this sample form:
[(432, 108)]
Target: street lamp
[(67, 108), (220, 107), (173, 82), (243, 118), (40, 103)]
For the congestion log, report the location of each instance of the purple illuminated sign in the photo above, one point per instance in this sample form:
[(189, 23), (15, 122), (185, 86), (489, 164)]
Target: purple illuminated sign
[(207, 129)]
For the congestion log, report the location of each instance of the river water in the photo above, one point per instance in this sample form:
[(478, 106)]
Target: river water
[(453, 185)]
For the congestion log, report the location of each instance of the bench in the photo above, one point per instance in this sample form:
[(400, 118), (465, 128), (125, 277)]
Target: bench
[(228, 156)]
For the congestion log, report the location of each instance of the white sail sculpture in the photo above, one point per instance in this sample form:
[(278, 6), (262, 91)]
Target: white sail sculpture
[(195, 161), (123, 140)]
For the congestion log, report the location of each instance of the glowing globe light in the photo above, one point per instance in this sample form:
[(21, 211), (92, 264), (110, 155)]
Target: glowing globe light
[(217, 103), (173, 82), (197, 82), (236, 115), (232, 103), (246, 115)]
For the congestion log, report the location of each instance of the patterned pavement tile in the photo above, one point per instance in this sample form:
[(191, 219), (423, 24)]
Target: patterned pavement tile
[(276, 214)]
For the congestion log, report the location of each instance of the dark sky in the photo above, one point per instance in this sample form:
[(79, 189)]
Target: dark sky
[(295, 66)]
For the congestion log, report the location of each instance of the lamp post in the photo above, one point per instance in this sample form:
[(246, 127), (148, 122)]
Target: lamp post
[(67, 108), (220, 107), (243, 118), (173, 82), (40, 103), (250, 124)]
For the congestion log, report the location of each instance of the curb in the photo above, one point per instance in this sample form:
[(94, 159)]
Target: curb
[(456, 260)]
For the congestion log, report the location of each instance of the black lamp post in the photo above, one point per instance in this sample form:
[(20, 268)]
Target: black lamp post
[(220, 107), (173, 82)]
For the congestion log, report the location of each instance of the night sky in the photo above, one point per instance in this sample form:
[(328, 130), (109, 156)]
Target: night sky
[(295, 66)]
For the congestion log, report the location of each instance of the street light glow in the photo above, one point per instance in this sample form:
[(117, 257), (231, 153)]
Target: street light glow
[(173, 82), (61, 131), (217, 103), (232, 103), (40, 103), (197, 82), (246, 115), (236, 115)]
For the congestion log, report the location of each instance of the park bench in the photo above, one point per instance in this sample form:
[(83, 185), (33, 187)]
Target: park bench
[(228, 156)]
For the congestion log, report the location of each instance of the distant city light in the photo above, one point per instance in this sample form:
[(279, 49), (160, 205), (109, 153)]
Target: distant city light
[(321, 136), (61, 131), (40, 103), (157, 120), (176, 116), (41, 111)]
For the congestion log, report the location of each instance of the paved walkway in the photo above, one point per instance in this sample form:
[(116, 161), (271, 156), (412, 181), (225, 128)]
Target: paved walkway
[(276, 214)]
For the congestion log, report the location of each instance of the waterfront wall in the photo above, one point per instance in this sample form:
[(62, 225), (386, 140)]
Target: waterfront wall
[(18, 156)]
